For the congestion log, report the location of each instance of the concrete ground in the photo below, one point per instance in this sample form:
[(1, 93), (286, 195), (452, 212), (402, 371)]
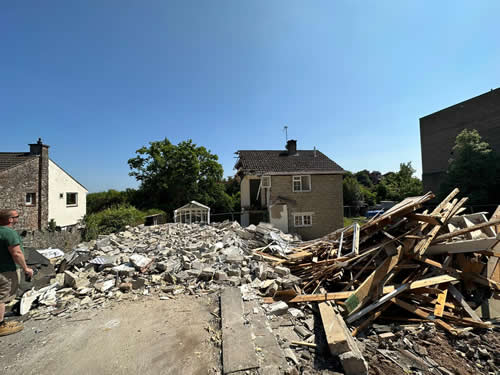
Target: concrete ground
[(152, 336)]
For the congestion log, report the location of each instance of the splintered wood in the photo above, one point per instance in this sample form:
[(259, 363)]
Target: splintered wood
[(437, 265)]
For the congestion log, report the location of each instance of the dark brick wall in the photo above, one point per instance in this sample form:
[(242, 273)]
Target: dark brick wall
[(439, 130), (15, 183)]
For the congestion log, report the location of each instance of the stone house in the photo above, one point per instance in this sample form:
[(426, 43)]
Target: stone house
[(300, 189), (439, 130), (39, 189)]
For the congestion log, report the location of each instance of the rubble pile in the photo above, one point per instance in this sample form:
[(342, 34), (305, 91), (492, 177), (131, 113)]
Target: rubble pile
[(167, 260), (434, 268)]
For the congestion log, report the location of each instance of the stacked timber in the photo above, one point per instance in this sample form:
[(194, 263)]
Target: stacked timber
[(406, 264)]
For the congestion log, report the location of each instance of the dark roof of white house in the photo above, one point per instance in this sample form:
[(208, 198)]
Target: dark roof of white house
[(280, 162), (12, 159)]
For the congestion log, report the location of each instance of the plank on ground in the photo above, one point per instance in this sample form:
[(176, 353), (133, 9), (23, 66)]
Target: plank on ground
[(341, 343)]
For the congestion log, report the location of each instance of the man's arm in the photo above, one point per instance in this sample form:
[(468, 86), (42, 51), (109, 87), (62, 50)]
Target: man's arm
[(18, 256)]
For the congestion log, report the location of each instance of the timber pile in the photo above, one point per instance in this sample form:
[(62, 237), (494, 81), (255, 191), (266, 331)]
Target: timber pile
[(436, 266)]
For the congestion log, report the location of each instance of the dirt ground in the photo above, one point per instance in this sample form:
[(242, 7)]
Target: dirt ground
[(151, 336)]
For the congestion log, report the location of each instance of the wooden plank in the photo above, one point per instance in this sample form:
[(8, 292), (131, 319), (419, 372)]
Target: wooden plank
[(341, 343), (310, 297), (422, 245), (441, 301), (423, 283), (457, 273), (460, 298), (425, 218), (370, 319), (361, 295), (475, 234), (494, 269), (496, 215), (380, 302), (460, 232), (423, 314), (238, 351), (467, 246), (335, 336), (355, 239)]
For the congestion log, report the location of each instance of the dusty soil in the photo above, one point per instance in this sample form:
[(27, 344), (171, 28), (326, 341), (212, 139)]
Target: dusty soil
[(151, 336)]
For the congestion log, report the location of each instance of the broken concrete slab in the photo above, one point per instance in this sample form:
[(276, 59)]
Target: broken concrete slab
[(238, 351)]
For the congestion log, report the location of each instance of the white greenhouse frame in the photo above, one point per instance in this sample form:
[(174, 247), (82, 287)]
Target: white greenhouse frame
[(193, 212)]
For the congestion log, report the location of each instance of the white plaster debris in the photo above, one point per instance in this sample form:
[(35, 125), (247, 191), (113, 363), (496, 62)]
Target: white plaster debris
[(167, 260)]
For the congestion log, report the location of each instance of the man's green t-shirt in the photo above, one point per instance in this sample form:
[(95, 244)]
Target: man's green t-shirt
[(8, 237)]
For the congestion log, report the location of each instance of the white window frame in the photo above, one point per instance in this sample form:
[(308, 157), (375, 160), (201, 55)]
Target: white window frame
[(30, 199), (302, 219), (299, 180), (266, 181), (76, 199)]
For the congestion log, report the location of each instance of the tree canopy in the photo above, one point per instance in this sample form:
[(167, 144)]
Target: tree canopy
[(373, 187), (474, 168), (172, 175)]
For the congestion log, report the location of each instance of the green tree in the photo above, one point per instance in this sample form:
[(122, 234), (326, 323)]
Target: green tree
[(474, 169), (363, 178), (105, 199), (402, 184), (351, 190), (172, 175)]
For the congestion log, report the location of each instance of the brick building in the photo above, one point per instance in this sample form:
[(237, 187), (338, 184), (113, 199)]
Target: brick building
[(439, 130), (39, 189), (301, 189)]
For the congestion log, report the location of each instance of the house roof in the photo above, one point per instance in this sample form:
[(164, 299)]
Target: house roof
[(12, 159), (279, 162)]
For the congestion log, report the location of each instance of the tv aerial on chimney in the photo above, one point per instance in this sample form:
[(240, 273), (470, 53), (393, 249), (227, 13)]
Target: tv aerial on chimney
[(285, 129)]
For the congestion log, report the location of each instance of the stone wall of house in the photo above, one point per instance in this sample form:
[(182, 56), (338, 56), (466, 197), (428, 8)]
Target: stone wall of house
[(325, 201), (64, 240), (15, 183), (439, 130)]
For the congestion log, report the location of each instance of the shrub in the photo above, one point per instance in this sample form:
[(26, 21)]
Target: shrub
[(111, 220)]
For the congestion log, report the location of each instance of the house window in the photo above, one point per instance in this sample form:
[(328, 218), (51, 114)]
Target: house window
[(71, 199), (301, 183), (30, 199), (302, 219)]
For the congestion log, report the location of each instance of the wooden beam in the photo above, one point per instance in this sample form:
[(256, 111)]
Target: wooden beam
[(496, 215), (310, 297), (341, 343), (380, 302), (434, 220), (457, 273), (441, 301), (460, 232), (460, 298), (423, 314), (362, 294), (467, 246), (370, 319)]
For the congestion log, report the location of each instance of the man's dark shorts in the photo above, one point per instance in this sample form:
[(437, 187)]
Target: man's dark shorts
[(9, 282)]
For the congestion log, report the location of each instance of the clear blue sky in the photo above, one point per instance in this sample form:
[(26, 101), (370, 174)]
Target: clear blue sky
[(99, 79)]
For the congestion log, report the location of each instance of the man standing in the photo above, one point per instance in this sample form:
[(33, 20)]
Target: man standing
[(11, 259)]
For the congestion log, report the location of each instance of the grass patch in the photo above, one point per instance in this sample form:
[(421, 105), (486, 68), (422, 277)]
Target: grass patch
[(348, 221)]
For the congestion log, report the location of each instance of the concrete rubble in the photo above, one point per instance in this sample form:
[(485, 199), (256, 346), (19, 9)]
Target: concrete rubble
[(164, 260)]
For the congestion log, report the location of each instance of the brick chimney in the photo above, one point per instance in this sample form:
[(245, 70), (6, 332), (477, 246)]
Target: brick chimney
[(43, 182), (291, 147)]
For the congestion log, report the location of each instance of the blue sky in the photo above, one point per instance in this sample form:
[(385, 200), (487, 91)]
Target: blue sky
[(99, 79)]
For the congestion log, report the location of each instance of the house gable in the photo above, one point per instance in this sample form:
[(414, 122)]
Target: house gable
[(67, 201)]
